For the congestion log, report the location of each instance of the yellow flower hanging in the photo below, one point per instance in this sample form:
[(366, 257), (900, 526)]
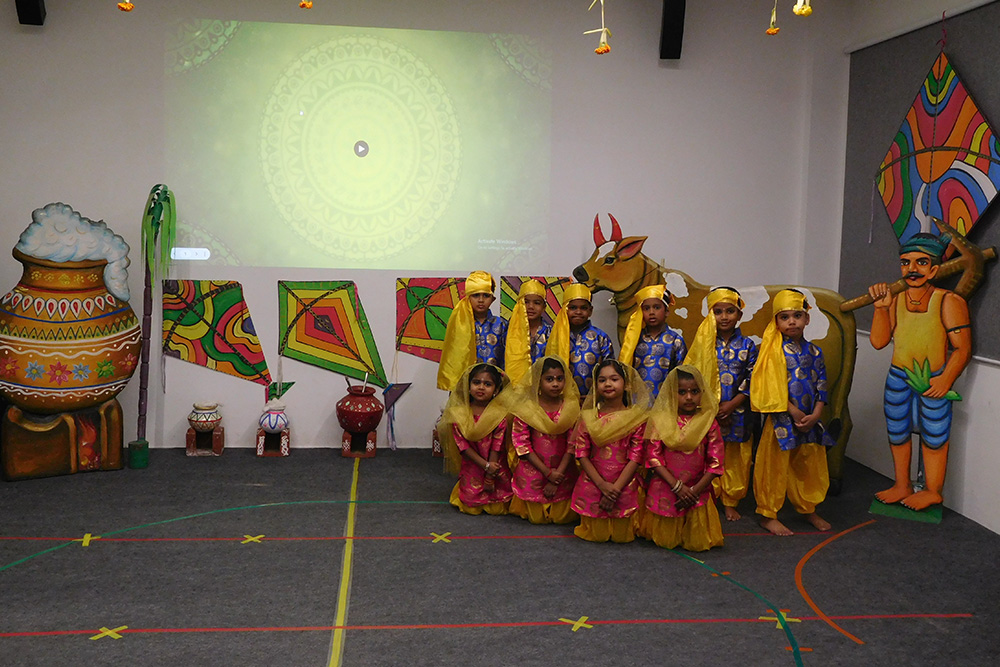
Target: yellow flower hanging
[(802, 8), (773, 30), (602, 44), (305, 4), (126, 6)]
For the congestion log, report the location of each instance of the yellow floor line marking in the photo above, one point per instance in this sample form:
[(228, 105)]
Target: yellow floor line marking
[(581, 623), (443, 537), (337, 645), (252, 538), (87, 539), (105, 632), (777, 623)]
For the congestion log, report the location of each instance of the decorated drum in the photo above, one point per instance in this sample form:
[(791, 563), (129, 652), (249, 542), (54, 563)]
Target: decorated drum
[(66, 343), (359, 412)]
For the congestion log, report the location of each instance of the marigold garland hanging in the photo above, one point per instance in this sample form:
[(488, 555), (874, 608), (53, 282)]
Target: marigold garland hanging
[(602, 44), (126, 6)]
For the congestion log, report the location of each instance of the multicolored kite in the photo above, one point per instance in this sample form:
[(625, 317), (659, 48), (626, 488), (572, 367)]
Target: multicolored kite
[(206, 322), (423, 306), (554, 285), (323, 324), (944, 161)]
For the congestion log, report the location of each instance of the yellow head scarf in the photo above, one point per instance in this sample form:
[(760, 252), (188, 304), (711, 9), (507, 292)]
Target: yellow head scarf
[(558, 345), (662, 424), (458, 412), (524, 401), (616, 425), (769, 382), (517, 354), (459, 349), (634, 328), (701, 354)]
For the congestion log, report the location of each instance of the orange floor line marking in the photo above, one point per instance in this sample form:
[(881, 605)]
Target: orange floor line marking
[(802, 589)]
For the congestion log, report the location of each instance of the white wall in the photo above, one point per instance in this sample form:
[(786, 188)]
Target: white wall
[(709, 156)]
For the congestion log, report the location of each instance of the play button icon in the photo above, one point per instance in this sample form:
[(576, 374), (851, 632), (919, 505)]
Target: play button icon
[(361, 148)]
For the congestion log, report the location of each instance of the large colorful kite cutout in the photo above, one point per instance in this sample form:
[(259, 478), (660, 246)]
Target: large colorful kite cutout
[(554, 286), (423, 307), (322, 323), (944, 161), (207, 322)]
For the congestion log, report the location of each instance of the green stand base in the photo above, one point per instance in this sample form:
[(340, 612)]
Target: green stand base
[(138, 454), (930, 515)]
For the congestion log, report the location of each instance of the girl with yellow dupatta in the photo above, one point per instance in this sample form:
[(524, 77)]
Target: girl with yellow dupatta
[(544, 409), (527, 334), (608, 444), (685, 450), (472, 433)]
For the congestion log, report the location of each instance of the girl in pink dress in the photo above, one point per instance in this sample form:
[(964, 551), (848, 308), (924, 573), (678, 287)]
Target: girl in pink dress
[(685, 451), (608, 444), (473, 427), (544, 409)]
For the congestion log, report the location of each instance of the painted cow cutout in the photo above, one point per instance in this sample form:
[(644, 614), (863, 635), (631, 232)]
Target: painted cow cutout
[(619, 266)]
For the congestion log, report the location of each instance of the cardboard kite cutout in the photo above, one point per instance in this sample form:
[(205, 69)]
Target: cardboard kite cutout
[(207, 322), (944, 161), (322, 323), (554, 285), (423, 307)]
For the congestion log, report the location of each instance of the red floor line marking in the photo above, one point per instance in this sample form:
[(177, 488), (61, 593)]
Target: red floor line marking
[(802, 588), (465, 626)]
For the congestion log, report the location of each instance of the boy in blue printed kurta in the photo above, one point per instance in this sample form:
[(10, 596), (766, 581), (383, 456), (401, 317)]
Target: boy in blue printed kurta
[(789, 384), (650, 346), (726, 359), (574, 339), (474, 333)]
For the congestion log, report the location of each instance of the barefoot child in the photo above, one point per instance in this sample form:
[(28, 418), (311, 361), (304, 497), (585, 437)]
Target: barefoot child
[(544, 410), (474, 333), (650, 346), (527, 334), (726, 359), (789, 386), (577, 341), (475, 421), (685, 451), (608, 444)]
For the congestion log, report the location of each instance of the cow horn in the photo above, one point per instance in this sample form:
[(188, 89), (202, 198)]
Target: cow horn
[(616, 231), (599, 239)]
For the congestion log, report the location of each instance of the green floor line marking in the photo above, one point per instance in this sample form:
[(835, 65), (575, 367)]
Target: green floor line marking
[(796, 653), (230, 509)]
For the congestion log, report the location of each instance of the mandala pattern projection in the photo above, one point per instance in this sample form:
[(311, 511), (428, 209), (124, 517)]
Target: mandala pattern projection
[(527, 57), (207, 322), (193, 42), (423, 307), (360, 147), (944, 161), (323, 324), (554, 285)]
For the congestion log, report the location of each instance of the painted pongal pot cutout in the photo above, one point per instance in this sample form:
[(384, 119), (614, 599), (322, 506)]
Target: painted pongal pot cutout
[(68, 338)]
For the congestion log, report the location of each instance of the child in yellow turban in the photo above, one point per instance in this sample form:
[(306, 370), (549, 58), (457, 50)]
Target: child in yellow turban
[(575, 340), (527, 333), (726, 359), (789, 386), (474, 333), (650, 346)]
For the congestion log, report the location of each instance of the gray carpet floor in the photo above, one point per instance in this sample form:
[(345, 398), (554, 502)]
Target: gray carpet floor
[(238, 561)]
